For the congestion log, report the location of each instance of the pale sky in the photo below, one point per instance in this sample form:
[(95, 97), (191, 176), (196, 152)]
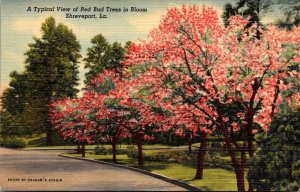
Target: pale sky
[(18, 26)]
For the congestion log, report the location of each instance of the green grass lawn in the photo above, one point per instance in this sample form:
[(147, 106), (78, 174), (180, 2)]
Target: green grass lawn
[(38, 141), (154, 148), (215, 179)]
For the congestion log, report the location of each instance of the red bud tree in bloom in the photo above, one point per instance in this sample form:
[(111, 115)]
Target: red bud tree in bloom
[(104, 111), (210, 69), (178, 115), (68, 116), (116, 112), (143, 121)]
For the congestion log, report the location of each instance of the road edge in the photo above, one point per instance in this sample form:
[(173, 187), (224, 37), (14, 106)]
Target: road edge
[(155, 175)]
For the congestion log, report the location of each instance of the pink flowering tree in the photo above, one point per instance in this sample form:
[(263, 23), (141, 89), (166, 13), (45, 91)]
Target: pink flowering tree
[(137, 117), (68, 117), (185, 117), (210, 69), (108, 116), (143, 122)]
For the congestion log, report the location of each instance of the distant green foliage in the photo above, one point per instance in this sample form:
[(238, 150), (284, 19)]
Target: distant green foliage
[(13, 125), (101, 150), (291, 11), (276, 165), (52, 62), (132, 152), (12, 142), (40, 141), (103, 55), (251, 9), (13, 98), (51, 72), (213, 159)]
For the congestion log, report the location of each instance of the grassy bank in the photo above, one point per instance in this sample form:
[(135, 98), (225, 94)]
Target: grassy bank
[(215, 179)]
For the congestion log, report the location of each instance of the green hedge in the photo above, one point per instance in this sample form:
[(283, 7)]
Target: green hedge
[(212, 159), (101, 150), (12, 143)]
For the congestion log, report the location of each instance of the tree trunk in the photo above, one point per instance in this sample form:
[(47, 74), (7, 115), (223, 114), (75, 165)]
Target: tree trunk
[(114, 157), (250, 145), (190, 145), (251, 153), (78, 149), (201, 155), (238, 168), (239, 172), (47, 122), (140, 150), (49, 141), (83, 150), (49, 138), (250, 189)]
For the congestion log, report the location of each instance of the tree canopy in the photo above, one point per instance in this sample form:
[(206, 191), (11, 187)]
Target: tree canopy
[(276, 164), (103, 55), (51, 72)]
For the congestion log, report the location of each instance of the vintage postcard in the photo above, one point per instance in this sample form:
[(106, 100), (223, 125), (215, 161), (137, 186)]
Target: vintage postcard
[(177, 95)]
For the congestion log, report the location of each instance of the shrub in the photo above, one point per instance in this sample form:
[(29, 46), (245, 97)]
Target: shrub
[(101, 150), (276, 165), (172, 156), (132, 151), (12, 142), (216, 144), (159, 156), (213, 159)]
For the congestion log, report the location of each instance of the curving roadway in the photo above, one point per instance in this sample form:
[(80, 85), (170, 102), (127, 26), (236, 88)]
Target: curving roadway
[(22, 170)]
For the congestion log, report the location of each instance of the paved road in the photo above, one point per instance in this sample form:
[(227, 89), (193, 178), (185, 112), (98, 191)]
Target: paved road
[(44, 170)]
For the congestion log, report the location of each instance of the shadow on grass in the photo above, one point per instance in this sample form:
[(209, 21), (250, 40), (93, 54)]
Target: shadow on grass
[(128, 162), (37, 142), (148, 165), (41, 141)]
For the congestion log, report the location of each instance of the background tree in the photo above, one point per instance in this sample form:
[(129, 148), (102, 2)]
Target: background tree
[(103, 55), (51, 72), (13, 99), (229, 10), (276, 164), (13, 102), (291, 10), (13, 125), (252, 9)]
